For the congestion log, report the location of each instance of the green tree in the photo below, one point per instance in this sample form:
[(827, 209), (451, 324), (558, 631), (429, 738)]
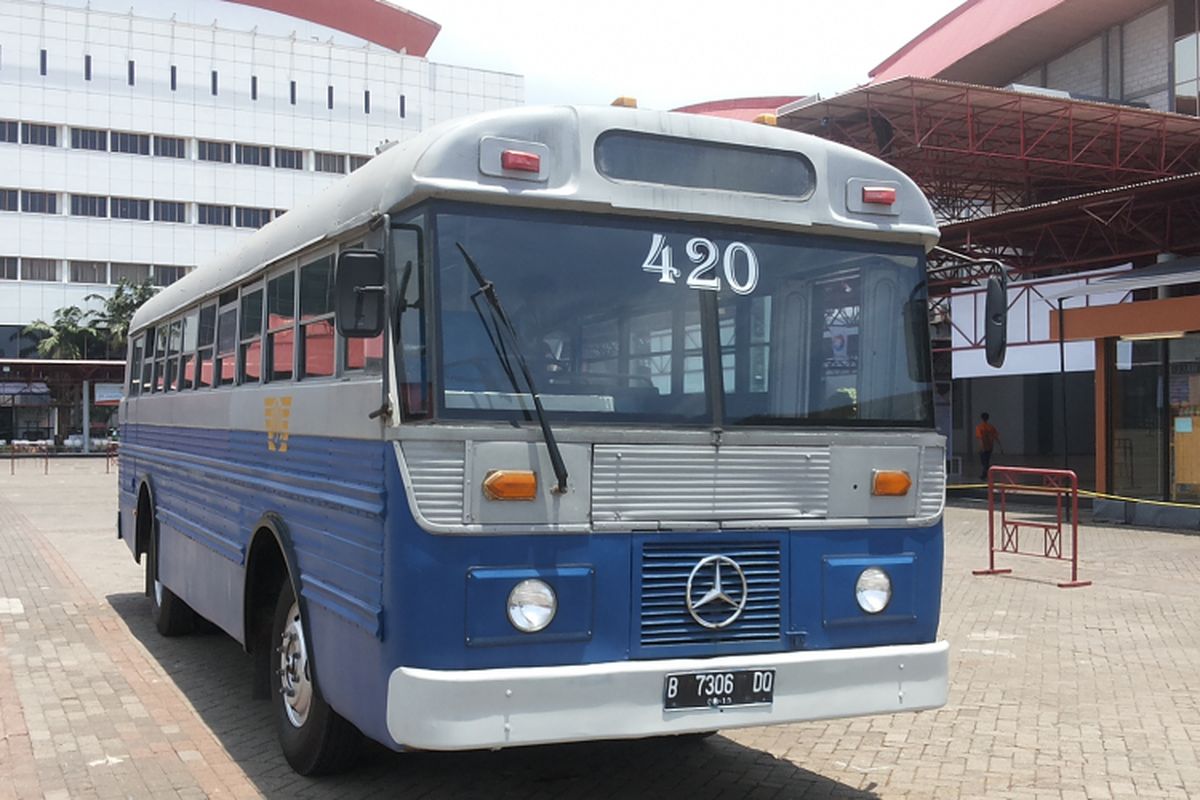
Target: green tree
[(70, 335), (112, 321)]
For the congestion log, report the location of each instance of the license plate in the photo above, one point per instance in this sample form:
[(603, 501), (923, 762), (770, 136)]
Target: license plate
[(744, 687)]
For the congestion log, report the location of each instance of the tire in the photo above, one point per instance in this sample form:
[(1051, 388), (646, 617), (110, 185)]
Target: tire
[(315, 739), (171, 615)]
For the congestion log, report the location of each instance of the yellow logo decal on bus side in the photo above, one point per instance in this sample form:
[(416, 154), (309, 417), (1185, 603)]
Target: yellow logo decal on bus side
[(276, 411)]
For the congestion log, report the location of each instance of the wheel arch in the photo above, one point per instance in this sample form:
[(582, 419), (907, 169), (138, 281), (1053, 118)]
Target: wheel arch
[(270, 560)]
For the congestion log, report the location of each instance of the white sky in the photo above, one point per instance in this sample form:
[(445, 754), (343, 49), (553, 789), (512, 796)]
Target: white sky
[(669, 53)]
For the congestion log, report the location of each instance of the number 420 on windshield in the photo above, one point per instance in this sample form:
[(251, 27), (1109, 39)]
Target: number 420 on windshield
[(738, 260)]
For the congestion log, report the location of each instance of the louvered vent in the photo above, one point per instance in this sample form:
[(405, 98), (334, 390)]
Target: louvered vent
[(664, 615)]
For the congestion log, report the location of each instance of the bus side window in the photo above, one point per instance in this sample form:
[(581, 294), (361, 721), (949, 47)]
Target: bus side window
[(226, 346), (250, 349), (135, 366), (206, 336), (281, 327), (174, 337), (147, 373), (160, 354), (316, 319), (187, 359)]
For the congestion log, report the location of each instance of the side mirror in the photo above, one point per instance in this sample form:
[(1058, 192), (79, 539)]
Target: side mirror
[(359, 294), (996, 322)]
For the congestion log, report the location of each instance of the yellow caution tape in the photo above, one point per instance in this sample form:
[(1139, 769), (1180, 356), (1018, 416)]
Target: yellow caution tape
[(1082, 493)]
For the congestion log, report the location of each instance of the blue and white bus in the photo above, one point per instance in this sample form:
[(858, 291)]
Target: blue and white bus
[(551, 425)]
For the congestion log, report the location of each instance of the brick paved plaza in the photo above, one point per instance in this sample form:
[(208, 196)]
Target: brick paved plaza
[(1080, 693)]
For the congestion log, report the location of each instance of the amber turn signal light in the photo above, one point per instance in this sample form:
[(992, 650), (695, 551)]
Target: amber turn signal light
[(510, 484), (890, 482)]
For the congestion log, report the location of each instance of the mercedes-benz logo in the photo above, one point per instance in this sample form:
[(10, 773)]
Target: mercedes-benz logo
[(709, 572)]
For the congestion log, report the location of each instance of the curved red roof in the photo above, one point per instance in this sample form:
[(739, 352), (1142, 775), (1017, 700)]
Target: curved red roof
[(374, 20), (743, 108)]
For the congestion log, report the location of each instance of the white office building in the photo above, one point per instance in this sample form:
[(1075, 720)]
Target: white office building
[(140, 137)]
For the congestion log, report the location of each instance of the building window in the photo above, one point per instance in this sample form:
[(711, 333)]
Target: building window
[(169, 211), (89, 139), (39, 269), (10, 200), (131, 73), (136, 143), (402, 108), (165, 275), (292, 92), (130, 208), (173, 84), (1187, 57), (289, 159), (32, 133), (358, 161), (329, 97), (89, 205), (39, 202), (254, 155), (330, 162), (8, 268), (253, 217), (253, 87), (132, 274), (215, 151), (214, 215), (89, 272), (8, 131), (214, 83), (367, 101), (42, 63), (170, 147), (87, 68)]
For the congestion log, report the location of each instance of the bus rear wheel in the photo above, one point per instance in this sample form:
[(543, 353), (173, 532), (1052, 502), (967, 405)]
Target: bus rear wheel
[(315, 739), (172, 616)]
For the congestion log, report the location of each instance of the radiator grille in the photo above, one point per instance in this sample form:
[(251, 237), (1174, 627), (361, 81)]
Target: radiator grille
[(437, 471), (664, 615)]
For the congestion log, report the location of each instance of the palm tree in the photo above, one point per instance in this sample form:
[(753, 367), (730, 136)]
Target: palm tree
[(68, 336), (112, 322)]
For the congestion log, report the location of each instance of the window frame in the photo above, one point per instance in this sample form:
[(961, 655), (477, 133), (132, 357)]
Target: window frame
[(329, 251), (290, 267)]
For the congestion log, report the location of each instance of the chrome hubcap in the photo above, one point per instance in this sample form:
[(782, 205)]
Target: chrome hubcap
[(295, 681)]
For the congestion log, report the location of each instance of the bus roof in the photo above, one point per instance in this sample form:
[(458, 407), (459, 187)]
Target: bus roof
[(446, 162)]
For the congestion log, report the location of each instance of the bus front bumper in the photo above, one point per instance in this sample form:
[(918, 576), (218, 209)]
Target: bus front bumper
[(492, 708)]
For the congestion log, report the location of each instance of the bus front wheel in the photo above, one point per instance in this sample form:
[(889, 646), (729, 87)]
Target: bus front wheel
[(315, 739), (172, 616)]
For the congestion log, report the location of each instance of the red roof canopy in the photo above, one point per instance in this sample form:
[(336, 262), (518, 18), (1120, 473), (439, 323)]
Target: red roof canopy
[(994, 41), (374, 20)]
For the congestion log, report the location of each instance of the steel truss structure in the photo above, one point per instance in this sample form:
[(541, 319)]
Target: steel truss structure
[(1047, 184)]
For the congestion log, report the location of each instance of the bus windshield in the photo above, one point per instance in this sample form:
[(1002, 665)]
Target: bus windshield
[(664, 322)]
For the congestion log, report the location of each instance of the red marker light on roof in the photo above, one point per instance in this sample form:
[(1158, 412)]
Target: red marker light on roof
[(520, 161), (879, 195)]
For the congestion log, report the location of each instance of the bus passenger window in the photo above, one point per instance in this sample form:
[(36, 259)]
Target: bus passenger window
[(147, 364), (206, 335), (316, 319), (173, 341), (135, 367), (250, 351), (281, 326), (160, 352), (226, 346), (187, 359)]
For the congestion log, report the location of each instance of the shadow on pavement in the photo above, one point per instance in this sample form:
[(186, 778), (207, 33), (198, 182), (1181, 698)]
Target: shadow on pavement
[(213, 673)]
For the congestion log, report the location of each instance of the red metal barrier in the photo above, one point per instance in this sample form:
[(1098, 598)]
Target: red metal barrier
[(1063, 485)]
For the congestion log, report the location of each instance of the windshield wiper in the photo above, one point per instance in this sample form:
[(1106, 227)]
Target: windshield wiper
[(488, 290)]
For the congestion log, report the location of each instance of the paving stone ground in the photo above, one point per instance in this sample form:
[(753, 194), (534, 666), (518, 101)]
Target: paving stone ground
[(1055, 693)]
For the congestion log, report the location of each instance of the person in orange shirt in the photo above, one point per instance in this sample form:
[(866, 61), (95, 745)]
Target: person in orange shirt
[(988, 438)]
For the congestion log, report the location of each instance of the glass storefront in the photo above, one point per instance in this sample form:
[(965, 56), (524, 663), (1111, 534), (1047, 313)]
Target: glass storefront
[(1154, 407)]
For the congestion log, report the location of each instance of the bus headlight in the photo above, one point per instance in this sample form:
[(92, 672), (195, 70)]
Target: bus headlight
[(873, 590), (531, 605)]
